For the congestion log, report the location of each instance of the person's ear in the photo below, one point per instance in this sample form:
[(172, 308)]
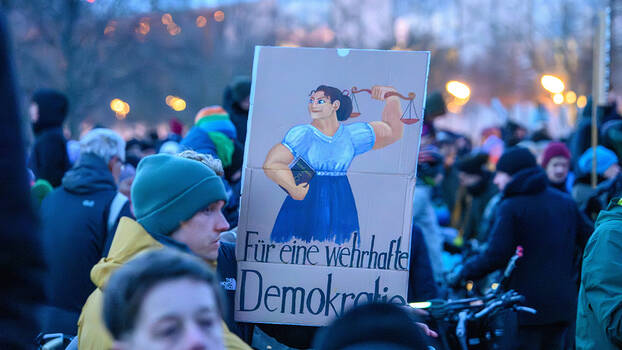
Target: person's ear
[(113, 160), (336, 105)]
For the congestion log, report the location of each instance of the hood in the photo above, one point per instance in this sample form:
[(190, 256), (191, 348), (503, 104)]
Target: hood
[(89, 175), (130, 239), (613, 212), (53, 107), (528, 181)]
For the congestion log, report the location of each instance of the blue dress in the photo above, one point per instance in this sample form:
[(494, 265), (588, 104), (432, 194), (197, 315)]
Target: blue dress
[(328, 212)]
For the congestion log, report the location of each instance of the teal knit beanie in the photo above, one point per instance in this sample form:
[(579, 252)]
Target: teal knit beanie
[(169, 189)]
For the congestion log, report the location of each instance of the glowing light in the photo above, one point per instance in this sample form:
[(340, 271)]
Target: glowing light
[(167, 19), (120, 108), (458, 89), (571, 97), (219, 16), (174, 29), (558, 99), (110, 27), (420, 305), (494, 286), (90, 1), (581, 101), (201, 21), (117, 105), (552, 84), (143, 27), (175, 103), (178, 105)]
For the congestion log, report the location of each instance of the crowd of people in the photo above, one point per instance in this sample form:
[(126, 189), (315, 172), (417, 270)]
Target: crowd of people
[(135, 242)]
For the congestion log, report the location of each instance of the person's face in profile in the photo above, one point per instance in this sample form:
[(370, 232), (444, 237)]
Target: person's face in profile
[(201, 233), (179, 314), (320, 106)]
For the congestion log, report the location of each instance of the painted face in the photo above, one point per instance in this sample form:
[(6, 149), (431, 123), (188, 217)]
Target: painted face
[(557, 169), (320, 106), (202, 232), (178, 314), (501, 180)]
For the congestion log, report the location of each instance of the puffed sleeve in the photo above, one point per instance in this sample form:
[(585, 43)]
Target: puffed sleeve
[(362, 136), (294, 138)]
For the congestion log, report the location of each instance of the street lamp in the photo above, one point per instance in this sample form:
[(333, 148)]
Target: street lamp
[(552, 84), (558, 99), (120, 108), (458, 89)]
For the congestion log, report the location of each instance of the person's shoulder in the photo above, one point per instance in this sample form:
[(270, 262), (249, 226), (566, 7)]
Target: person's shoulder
[(357, 127), (298, 132)]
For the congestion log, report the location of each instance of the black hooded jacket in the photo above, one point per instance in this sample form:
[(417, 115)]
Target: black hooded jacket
[(76, 233), (49, 160), (547, 224)]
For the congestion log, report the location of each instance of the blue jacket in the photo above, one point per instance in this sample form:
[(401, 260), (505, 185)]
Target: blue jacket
[(76, 235), (547, 224)]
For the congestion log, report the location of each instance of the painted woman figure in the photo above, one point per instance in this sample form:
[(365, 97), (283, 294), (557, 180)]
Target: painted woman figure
[(324, 209)]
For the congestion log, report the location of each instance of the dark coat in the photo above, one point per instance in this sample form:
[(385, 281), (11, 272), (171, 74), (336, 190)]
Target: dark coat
[(599, 321), (421, 285), (479, 195), (76, 235), (547, 224), (238, 116), (20, 254), (49, 160), (227, 268)]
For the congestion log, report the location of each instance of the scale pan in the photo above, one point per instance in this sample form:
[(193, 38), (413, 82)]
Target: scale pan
[(410, 121)]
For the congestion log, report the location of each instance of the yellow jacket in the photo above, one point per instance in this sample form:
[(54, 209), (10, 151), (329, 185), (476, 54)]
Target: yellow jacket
[(130, 239)]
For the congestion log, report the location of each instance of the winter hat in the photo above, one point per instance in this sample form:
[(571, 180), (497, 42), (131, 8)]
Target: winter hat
[(168, 190), (515, 159), (215, 121), (240, 88), (605, 158), (53, 107), (176, 126), (39, 191), (552, 150), (473, 164)]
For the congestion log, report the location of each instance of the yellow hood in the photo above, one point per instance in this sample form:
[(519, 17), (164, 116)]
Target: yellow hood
[(129, 240)]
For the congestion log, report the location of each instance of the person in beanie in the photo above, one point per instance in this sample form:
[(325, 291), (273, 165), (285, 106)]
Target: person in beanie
[(479, 187), (213, 133), (49, 160), (547, 224), (599, 315), (556, 163), (178, 204), (608, 176), (236, 101)]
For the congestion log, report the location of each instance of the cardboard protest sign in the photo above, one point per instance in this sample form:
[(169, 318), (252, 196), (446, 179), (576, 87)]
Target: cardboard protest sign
[(326, 207)]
